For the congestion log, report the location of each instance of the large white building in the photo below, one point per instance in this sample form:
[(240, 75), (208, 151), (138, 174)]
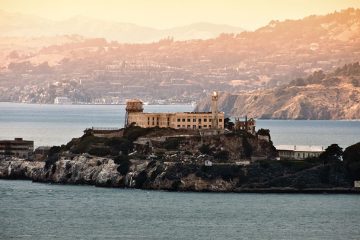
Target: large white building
[(298, 152), (176, 120)]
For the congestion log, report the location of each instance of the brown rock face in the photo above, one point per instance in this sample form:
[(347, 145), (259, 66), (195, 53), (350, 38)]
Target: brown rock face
[(327, 98)]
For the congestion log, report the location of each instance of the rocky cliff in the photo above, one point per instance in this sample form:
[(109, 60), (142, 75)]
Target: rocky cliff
[(158, 175), (332, 96)]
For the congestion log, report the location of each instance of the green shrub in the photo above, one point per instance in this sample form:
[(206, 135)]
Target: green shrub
[(85, 143), (99, 151), (332, 153), (133, 132), (121, 159), (176, 185), (264, 132), (205, 149), (351, 158), (124, 167), (172, 144), (53, 156), (124, 164), (118, 144), (248, 150)]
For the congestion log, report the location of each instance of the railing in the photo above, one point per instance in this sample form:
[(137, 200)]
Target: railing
[(104, 129)]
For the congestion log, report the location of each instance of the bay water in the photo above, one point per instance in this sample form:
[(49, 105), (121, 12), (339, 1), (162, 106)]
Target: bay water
[(48, 211)]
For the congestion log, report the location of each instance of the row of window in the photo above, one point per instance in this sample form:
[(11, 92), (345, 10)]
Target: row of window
[(194, 120), (193, 126)]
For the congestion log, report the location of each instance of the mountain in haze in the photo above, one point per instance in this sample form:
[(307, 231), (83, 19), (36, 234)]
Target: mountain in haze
[(320, 96), (22, 25)]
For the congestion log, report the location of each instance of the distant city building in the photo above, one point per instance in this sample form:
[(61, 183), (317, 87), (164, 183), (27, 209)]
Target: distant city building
[(62, 100), (298, 152), (177, 120), (17, 148)]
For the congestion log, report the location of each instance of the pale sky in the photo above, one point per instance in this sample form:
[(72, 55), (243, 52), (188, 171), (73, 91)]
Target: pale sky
[(249, 14)]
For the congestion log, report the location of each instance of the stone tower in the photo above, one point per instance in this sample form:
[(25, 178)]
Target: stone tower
[(132, 106)]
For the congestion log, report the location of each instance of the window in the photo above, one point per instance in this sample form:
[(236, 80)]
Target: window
[(220, 120), (188, 126), (205, 120), (199, 120), (194, 119), (205, 126), (183, 119), (178, 119), (188, 119), (178, 126)]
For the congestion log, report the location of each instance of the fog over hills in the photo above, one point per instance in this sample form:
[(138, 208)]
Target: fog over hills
[(22, 25)]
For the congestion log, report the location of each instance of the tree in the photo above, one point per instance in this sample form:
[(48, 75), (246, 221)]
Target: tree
[(352, 160), (228, 124), (332, 153)]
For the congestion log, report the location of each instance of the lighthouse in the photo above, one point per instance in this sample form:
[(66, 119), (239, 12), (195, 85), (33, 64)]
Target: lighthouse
[(214, 110)]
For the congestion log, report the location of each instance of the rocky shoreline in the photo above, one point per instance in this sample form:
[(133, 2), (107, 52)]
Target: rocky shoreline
[(102, 172)]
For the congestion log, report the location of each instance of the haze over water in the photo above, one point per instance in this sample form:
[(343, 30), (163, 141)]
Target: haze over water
[(57, 124)]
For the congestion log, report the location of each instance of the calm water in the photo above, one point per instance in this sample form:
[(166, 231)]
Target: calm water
[(43, 211), (57, 124)]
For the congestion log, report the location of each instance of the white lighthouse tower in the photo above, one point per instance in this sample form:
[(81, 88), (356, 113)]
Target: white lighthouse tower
[(214, 110)]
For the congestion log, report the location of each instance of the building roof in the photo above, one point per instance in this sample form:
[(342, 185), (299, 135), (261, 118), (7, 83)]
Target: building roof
[(299, 148)]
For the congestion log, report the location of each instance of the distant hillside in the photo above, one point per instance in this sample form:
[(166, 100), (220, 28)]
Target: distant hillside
[(172, 70), (21, 25), (319, 96)]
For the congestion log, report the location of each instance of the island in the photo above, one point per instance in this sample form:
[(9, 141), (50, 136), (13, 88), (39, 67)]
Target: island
[(185, 160), (184, 151)]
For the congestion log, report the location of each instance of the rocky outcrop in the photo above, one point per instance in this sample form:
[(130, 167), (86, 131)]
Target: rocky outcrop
[(79, 170), (332, 96)]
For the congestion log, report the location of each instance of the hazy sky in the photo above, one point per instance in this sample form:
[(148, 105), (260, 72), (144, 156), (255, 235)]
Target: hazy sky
[(249, 14)]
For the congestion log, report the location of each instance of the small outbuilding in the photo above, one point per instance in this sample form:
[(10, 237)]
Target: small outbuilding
[(208, 163)]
